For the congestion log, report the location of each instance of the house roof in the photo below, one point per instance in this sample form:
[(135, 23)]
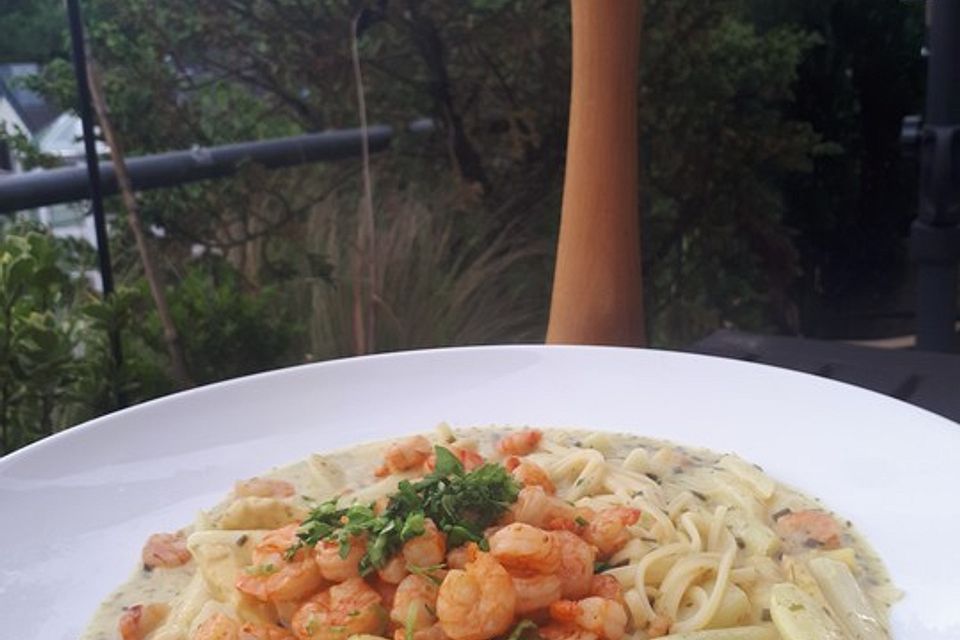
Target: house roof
[(64, 138), (35, 112)]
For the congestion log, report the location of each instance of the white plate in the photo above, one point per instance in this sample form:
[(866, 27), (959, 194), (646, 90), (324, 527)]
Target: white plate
[(77, 507)]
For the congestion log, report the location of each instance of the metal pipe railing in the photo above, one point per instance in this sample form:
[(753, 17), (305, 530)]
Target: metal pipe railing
[(68, 184)]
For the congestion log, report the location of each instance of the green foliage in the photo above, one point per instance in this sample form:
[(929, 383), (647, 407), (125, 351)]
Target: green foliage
[(715, 141), (852, 212), (441, 281), (32, 30), (56, 361), (102, 385), (37, 341), (226, 331), (25, 150)]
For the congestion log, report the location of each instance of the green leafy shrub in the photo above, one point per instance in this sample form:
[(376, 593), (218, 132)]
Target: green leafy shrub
[(226, 330), (57, 366), (39, 335)]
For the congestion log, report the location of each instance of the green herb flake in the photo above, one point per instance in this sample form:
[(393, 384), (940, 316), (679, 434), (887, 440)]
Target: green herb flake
[(427, 572), (261, 569), (601, 566), (408, 627), (447, 463), (580, 520), (520, 631), (413, 526)]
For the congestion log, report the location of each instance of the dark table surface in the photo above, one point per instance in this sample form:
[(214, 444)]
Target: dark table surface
[(928, 380)]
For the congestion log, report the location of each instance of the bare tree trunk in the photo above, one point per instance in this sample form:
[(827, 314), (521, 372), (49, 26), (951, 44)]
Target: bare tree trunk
[(171, 338), (426, 36), (365, 271)]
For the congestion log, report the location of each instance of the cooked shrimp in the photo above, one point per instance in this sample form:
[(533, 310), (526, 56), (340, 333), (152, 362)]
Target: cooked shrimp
[(404, 455), (606, 618), (468, 457), (607, 587), (394, 571), (457, 558), (523, 547), (251, 631), (529, 474), (478, 602), (564, 632), (576, 564), (335, 568), (575, 521), (221, 627), (811, 528), (428, 549), (608, 529), (563, 524), (263, 488), (520, 443), (415, 603), (536, 592), (140, 620), (430, 633), (349, 608), (386, 590), (273, 577), (217, 627), (534, 506), (165, 550)]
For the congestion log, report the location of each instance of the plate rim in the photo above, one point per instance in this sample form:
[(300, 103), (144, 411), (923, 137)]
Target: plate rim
[(918, 416), (70, 432)]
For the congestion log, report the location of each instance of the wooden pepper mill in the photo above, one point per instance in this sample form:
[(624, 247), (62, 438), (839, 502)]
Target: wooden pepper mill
[(597, 288)]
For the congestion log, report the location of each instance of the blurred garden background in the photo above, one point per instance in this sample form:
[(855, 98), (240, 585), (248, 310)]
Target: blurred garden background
[(774, 196)]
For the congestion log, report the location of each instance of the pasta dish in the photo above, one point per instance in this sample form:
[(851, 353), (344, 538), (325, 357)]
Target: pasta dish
[(507, 534)]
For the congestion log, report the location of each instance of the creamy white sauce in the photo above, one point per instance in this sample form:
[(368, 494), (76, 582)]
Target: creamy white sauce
[(158, 585)]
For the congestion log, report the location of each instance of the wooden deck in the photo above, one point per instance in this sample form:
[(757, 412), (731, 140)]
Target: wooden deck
[(928, 380)]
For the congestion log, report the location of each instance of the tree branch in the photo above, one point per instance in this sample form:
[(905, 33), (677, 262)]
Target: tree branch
[(426, 37), (171, 338)]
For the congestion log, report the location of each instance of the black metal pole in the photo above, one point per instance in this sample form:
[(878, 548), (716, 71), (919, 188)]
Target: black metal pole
[(935, 235), (93, 172)]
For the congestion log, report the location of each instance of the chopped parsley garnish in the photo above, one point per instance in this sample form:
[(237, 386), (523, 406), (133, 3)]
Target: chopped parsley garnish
[(427, 572), (600, 566), (460, 504), (409, 626), (580, 520)]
